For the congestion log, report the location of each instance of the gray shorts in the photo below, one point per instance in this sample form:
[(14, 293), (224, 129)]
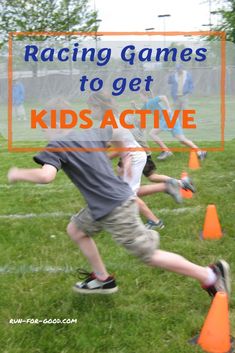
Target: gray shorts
[(125, 226)]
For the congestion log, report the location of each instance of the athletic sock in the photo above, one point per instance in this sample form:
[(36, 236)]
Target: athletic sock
[(101, 277), (180, 182), (211, 279)]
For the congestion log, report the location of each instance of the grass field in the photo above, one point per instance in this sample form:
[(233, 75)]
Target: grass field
[(154, 311), (207, 119)]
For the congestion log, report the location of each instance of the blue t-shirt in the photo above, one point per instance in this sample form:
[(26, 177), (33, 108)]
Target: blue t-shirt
[(154, 104)]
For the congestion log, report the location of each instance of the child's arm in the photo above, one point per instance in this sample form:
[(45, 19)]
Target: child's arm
[(43, 175)]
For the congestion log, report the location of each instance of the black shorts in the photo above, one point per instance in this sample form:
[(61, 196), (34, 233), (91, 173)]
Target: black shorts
[(150, 166)]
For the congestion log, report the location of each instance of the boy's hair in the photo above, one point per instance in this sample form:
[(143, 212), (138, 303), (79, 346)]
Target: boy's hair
[(102, 100)]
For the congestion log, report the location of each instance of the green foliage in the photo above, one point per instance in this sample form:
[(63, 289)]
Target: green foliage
[(44, 15), (228, 19), (73, 15)]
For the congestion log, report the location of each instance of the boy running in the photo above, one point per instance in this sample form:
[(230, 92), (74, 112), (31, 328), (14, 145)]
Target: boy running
[(149, 170), (111, 206), (132, 161), (160, 103)]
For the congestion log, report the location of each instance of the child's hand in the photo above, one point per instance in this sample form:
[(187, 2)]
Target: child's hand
[(13, 175)]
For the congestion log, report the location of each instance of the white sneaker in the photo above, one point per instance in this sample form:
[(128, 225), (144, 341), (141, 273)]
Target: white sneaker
[(173, 189), (164, 155), (202, 155)]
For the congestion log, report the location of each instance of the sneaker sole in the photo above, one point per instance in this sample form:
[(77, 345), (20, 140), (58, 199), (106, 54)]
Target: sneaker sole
[(95, 291), (155, 227), (225, 270), (191, 188), (162, 159), (176, 195), (188, 186), (202, 158)]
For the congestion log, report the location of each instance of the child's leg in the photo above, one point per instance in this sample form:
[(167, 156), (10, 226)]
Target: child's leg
[(178, 264), (201, 154), (149, 172), (171, 186), (154, 134), (21, 112), (150, 189), (89, 250), (127, 229), (158, 178), (185, 183), (182, 139), (145, 211)]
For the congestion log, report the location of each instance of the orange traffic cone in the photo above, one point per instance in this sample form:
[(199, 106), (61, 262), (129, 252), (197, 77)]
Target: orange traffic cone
[(193, 160), (215, 333), (211, 228), (186, 194)]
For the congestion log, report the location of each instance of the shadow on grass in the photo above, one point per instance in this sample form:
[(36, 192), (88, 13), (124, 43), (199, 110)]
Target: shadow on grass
[(84, 303)]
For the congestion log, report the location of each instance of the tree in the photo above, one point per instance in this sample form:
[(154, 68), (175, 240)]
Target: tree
[(227, 13), (74, 15), (45, 15)]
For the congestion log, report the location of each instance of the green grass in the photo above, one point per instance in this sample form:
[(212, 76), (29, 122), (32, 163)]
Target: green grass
[(207, 118), (154, 311)]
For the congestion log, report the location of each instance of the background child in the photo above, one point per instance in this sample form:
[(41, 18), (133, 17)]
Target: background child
[(18, 97), (160, 103), (110, 206)]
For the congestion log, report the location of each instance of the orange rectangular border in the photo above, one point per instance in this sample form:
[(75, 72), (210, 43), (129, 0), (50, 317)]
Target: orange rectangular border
[(220, 34)]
